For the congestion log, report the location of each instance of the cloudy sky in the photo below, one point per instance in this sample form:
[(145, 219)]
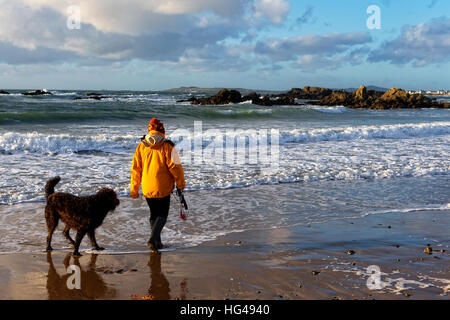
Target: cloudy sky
[(260, 44)]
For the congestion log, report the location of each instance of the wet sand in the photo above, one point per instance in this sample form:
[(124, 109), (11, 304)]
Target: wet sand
[(299, 262)]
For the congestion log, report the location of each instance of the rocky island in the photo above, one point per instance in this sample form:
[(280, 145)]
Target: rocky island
[(363, 98), (91, 96), (37, 93)]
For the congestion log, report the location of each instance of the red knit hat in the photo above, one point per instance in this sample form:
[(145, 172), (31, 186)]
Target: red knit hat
[(156, 125)]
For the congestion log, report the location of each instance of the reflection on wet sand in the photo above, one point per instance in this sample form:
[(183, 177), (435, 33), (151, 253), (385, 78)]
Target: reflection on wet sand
[(92, 284), (159, 286)]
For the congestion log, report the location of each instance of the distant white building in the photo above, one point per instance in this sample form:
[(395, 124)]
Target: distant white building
[(429, 92)]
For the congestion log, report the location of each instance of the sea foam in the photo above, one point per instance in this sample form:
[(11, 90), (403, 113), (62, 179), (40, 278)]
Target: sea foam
[(33, 142)]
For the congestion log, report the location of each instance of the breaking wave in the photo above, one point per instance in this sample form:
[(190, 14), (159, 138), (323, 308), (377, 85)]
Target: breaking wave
[(13, 142)]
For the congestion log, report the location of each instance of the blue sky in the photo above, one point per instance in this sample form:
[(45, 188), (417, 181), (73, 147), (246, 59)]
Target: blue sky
[(260, 44)]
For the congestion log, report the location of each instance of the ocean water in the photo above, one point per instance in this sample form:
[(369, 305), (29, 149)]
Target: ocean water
[(90, 144)]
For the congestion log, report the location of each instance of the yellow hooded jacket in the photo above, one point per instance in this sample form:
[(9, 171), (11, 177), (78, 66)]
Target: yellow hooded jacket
[(157, 165)]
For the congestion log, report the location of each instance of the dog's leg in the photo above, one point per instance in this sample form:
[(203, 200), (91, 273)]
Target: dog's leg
[(66, 260), (94, 244), (78, 238), (52, 218), (66, 234)]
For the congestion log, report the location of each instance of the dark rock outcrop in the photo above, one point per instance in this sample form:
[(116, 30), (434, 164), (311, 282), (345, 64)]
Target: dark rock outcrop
[(361, 98), (4, 92), (361, 93), (274, 100), (252, 96), (315, 93), (398, 98), (394, 98), (91, 95), (37, 93), (188, 100), (224, 96), (340, 97)]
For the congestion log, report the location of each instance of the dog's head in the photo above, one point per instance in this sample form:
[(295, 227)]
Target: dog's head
[(109, 198)]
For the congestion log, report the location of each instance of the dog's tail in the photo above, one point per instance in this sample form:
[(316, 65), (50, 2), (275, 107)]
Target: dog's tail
[(50, 186)]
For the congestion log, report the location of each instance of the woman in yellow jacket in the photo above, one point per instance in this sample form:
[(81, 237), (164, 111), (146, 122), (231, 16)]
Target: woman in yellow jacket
[(157, 166)]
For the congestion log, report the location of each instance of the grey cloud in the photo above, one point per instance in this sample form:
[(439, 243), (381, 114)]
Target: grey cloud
[(169, 46), (45, 30), (327, 44), (358, 55), (214, 57), (14, 55), (312, 52), (190, 41), (422, 44), (311, 63)]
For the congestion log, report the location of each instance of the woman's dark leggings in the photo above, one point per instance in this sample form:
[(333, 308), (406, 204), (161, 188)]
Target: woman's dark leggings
[(159, 210), (159, 207)]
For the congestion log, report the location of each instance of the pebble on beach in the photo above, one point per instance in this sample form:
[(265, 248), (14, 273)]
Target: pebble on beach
[(350, 252), (315, 273), (428, 250)]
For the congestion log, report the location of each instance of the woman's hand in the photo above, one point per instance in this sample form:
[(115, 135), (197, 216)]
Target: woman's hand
[(135, 195)]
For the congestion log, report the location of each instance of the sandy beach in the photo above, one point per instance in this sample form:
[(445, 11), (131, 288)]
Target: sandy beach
[(310, 261)]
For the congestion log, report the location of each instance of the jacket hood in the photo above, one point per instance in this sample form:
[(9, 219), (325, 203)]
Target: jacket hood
[(153, 139)]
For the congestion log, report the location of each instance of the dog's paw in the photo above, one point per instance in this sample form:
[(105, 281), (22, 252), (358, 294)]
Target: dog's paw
[(77, 254), (49, 249)]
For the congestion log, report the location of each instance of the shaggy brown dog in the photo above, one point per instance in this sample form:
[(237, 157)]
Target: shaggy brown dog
[(84, 214)]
